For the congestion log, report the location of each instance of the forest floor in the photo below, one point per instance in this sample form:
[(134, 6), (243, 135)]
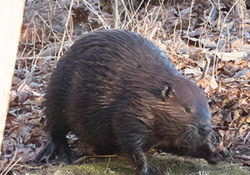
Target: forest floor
[(215, 54)]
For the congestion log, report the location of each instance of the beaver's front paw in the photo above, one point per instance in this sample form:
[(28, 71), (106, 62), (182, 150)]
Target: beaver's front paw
[(216, 156)]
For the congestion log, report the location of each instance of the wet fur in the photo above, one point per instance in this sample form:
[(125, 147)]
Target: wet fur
[(107, 89)]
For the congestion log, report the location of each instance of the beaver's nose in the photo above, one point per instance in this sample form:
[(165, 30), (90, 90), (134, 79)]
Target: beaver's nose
[(204, 130)]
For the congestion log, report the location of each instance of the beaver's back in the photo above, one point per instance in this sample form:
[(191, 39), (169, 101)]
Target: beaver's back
[(94, 81)]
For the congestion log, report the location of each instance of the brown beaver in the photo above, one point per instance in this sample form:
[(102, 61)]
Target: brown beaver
[(117, 91)]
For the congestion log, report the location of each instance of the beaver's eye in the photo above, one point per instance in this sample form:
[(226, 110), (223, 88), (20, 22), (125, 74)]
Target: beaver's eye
[(188, 110)]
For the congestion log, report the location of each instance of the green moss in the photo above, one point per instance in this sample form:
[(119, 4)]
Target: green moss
[(170, 165), (174, 165)]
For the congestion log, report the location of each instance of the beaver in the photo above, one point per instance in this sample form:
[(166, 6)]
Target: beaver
[(117, 91)]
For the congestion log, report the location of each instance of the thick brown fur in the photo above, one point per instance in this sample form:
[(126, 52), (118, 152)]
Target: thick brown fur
[(117, 91)]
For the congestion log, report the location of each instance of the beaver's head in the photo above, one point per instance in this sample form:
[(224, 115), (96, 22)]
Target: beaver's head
[(181, 113)]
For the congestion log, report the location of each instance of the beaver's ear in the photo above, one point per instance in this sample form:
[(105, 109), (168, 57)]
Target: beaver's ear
[(167, 92)]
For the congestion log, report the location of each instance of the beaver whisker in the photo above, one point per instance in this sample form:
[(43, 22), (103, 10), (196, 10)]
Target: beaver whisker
[(215, 137), (214, 133), (193, 136), (190, 136), (187, 136), (192, 127)]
